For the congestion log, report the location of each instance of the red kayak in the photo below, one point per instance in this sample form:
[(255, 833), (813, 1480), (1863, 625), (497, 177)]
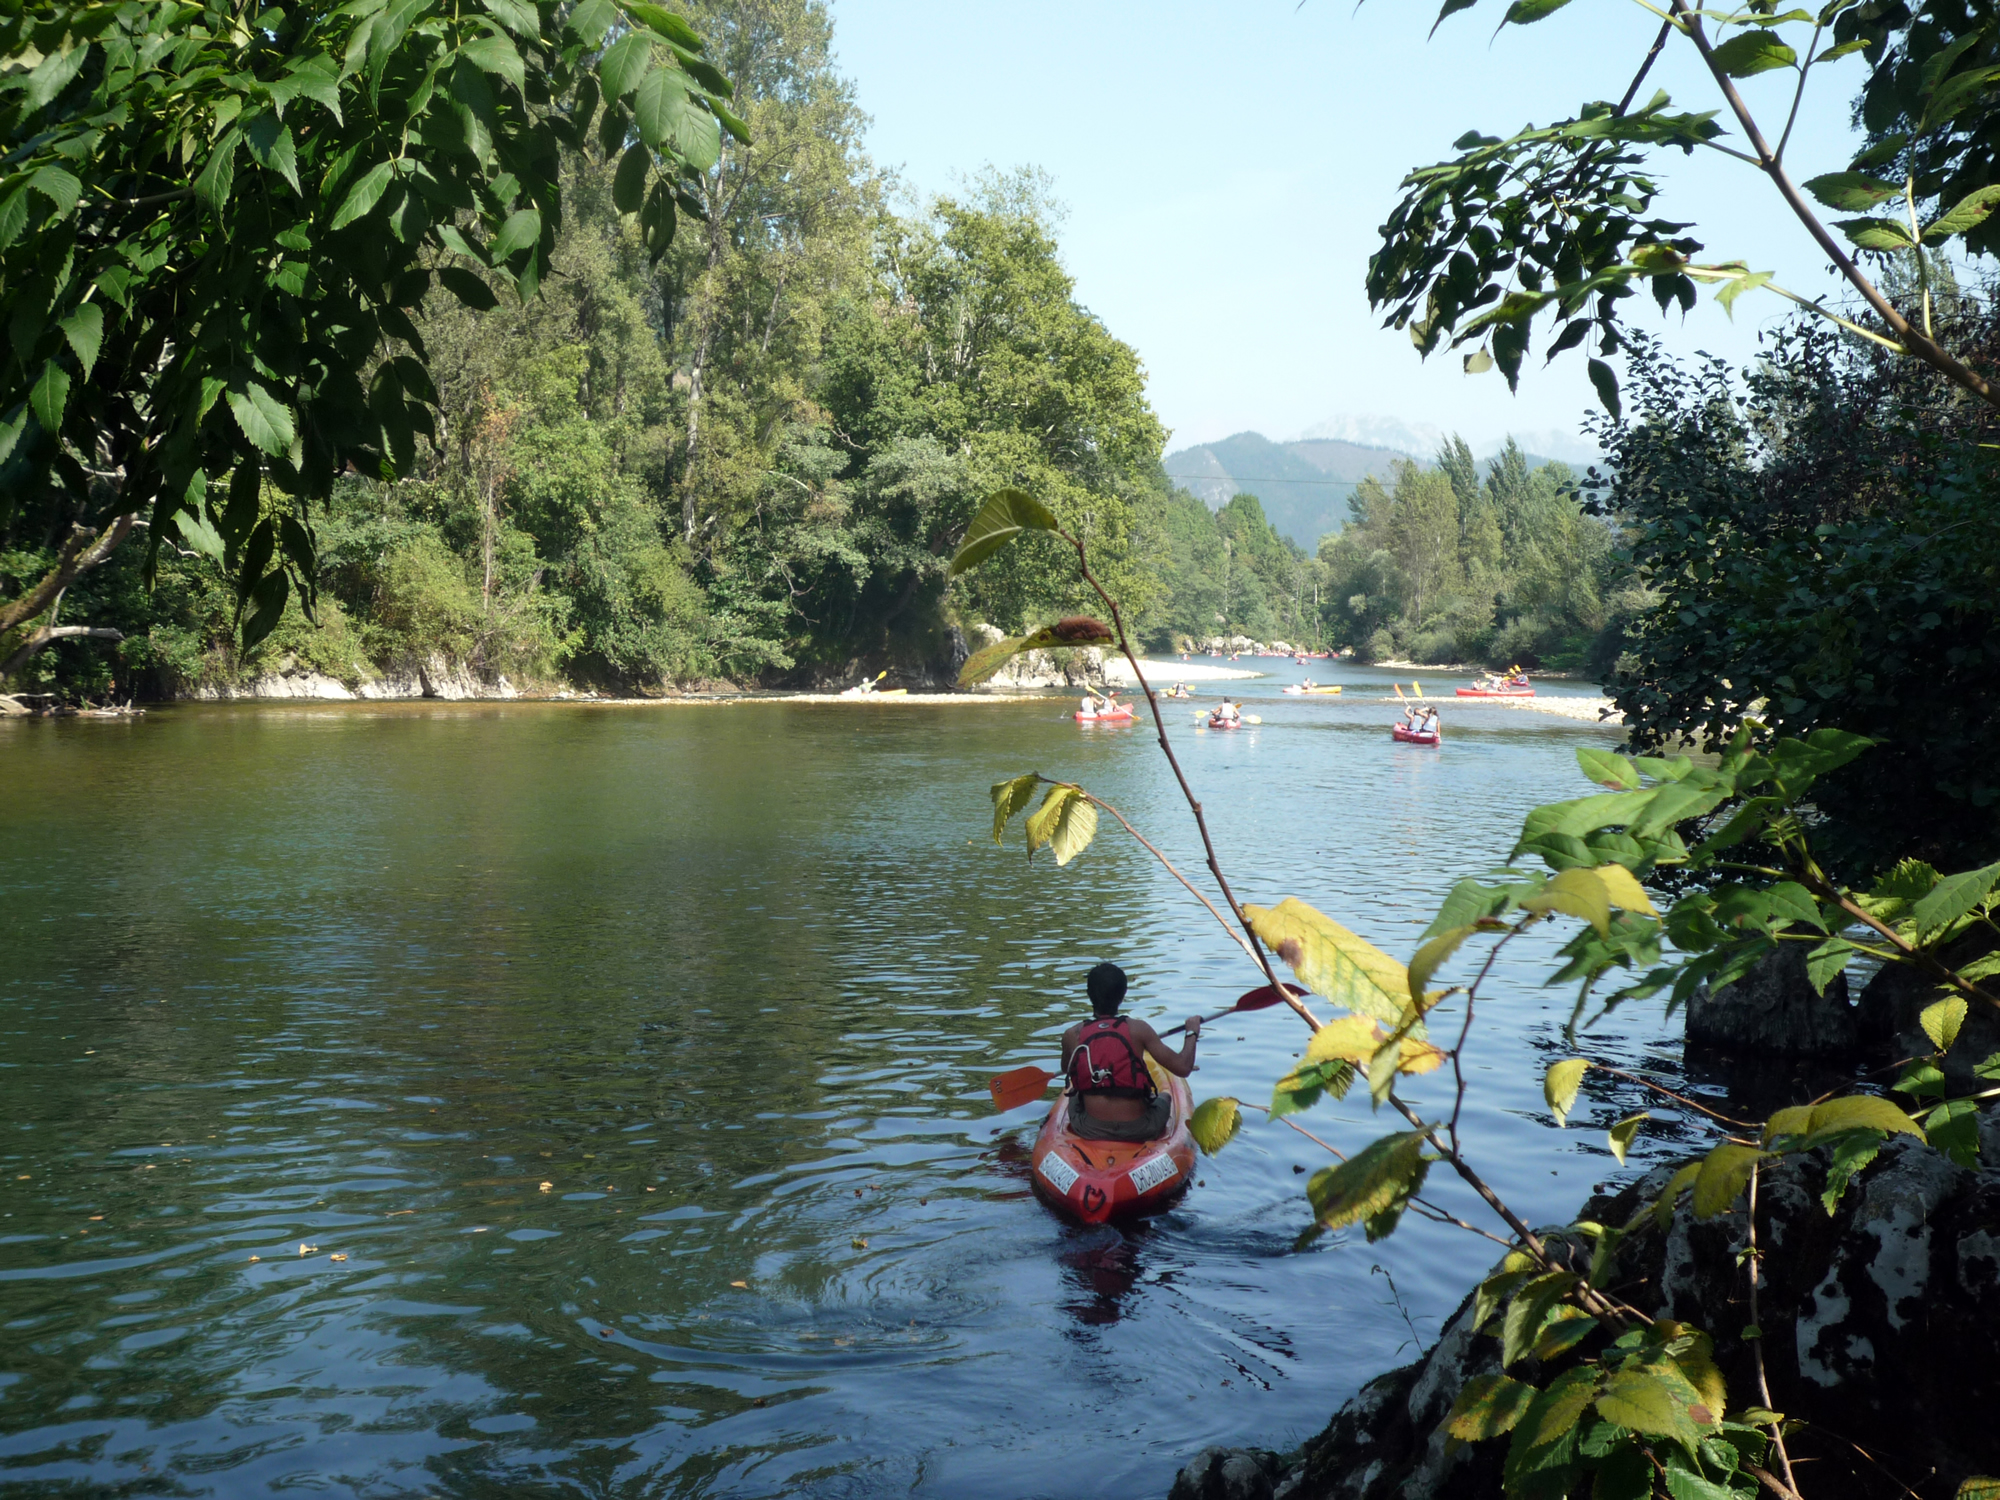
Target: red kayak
[(1117, 716), (1099, 1180), (1411, 737), (1522, 692), (1215, 723)]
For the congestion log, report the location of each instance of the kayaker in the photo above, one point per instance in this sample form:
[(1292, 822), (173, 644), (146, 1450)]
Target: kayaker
[(1111, 1094), (1430, 724), (1228, 712)]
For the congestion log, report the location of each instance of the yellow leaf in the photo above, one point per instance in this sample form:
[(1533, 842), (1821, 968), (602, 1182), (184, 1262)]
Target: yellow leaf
[(1009, 798), (1577, 893), (1721, 1176), (1942, 1020), (1214, 1123), (1560, 1085), (1623, 1132), (1351, 1037), (1347, 969), (1624, 889), (1859, 1112), (1796, 1120), (1681, 1181), (744, 1285)]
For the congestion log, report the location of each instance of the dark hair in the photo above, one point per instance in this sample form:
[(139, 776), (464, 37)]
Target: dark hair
[(1106, 984)]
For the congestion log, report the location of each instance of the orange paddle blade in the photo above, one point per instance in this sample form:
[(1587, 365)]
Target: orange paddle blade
[(1022, 1086)]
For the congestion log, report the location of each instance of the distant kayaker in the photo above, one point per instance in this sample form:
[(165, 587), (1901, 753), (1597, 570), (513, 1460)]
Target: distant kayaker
[(1228, 712), (1111, 1094)]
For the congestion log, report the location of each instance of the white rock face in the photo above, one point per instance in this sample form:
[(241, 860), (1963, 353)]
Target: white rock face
[(431, 676), (1041, 669)]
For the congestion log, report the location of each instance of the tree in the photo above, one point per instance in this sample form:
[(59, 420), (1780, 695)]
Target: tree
[(214, 234), (1553, 220)]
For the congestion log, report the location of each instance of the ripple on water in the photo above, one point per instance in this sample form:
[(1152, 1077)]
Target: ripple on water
[(731, 984)]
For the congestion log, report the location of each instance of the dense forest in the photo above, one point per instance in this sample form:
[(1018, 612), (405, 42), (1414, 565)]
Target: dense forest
[(752, 459)]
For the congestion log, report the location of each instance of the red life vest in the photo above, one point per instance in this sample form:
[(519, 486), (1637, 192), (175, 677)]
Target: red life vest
[(1105, 1061)]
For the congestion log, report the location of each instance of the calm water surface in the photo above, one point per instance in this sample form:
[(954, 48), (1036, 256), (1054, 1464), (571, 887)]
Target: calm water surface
[(635, 1061)]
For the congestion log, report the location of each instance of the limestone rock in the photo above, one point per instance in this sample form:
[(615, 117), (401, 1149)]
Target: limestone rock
[(1229, 1474), (1878, 1323), (1773, 1011)]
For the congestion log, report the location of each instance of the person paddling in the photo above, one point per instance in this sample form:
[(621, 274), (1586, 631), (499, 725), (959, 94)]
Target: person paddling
[(1112, 1096)]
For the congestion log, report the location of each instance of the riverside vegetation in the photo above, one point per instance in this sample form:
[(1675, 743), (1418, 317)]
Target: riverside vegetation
[(578, 381), (1613, 1401)]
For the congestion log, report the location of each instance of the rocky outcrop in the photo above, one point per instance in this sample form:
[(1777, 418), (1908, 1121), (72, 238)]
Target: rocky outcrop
[(429, 676), (1774, 1011), (1077, 667), (1878, 1322), (1901, 991), (1230, 1474)]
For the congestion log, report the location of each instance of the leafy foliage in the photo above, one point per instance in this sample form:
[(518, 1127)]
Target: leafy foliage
[(215, 235)]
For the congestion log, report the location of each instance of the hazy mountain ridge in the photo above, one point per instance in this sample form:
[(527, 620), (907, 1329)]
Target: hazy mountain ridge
[(1304, 484)]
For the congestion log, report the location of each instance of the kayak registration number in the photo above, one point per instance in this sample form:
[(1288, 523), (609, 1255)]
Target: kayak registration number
[(1150, 1173), (1060, 1174)]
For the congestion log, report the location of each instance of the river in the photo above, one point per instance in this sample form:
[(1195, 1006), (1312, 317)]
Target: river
[(468, 1099)]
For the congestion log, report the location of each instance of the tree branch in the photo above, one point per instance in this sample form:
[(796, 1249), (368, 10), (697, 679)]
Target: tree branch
[(1913, 341), (49, 633), (82, 550)]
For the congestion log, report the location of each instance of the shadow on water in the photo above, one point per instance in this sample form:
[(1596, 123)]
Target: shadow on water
[(635, 1063)]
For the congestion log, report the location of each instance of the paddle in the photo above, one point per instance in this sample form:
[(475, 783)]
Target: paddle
[(1026, 1085)]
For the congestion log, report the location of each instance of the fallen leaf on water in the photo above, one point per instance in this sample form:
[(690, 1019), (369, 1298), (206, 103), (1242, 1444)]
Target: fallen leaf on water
[(95, 1218), (859, 1243), (305, 1249), (757, 1401), (337, 1256), (604, 1333), (401, 1211), (256, 1257), (548, 1187), (744, 1284)]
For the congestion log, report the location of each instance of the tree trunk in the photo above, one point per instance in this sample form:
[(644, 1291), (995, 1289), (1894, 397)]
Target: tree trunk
[(84, 549)]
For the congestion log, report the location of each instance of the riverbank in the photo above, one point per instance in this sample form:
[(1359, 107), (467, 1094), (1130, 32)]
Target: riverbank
[(1162, 673)]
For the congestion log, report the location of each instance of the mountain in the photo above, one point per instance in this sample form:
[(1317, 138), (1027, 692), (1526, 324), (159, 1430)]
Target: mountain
[(1303, 486)]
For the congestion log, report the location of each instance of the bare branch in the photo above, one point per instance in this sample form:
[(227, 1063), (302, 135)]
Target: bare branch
[(82, 550)]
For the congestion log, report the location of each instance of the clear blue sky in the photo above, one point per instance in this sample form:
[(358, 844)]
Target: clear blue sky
[(1225, 168)]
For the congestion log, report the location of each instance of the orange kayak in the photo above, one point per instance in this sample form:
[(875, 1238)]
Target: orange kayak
[(1099, 1180)]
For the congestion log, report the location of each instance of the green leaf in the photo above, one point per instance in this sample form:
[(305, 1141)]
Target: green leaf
[(1076, 630), (1374, 1184), (1347, 969), (1988, 1066), (1560, 1085), (84, 329), (1851, 1153), (624, 63), (364, 195), (1979, 1487), (1010, 797), (664, 21), (1515, 1267), (1969, 211), (1528, 1311), (1004, 516), (1652, 1403), (1623, 1132), (1684, 1484), (518, 16), (1954, 896), (1875, 234), (1478, 362), (1680, 1182), (468, 288), (1527, 12), (265, 420), (1858, 1112), (1431, 956), (628, 188), (1488, 1406), (50, 396), (269, 597), (1727, 293), (270, 142), (1607, 769), (1953, 1128), (1941, 1021), (1752, 52), (590, 20), (1724, 1173), (497, 55), (658, 105), (1607, 387), (218, 175), (522, 229), (697, 138), (1065, 821), (1214, 1123), (1826, 960), (1851, 192), (1565, 1329)]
